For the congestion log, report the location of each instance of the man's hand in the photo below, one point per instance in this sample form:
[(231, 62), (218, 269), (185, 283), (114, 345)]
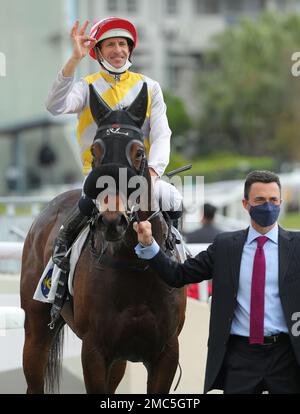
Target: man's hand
[(144, 232), (82, 44), (79, 41)]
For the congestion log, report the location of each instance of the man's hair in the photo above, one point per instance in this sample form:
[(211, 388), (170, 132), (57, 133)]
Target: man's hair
[(260, 177), (209, 211)]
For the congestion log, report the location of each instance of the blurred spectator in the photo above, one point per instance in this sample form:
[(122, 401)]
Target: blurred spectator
[(208, 231), (205, 234), (47, 156)]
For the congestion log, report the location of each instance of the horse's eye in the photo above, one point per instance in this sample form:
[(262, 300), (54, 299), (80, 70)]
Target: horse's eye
[(98, 150)]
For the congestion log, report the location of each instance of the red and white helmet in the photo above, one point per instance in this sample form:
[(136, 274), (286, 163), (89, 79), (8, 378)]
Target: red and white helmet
[(112, 27)]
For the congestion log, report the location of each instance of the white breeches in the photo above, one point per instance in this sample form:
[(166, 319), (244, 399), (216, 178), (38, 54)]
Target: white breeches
[(167, 195)]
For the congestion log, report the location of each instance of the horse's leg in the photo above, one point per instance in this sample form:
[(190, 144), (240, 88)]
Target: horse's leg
[(38, 338), (116, 374), (95, 368), (162, 371)]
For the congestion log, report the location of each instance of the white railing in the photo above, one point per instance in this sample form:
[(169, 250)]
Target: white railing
[(33, 203), (196, 248), (11, 250), (11, 317)]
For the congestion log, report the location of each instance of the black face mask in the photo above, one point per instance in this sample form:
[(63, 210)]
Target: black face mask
[(265, 214)]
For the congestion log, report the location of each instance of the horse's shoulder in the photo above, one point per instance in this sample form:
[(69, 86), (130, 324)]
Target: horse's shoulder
[(66, 198)]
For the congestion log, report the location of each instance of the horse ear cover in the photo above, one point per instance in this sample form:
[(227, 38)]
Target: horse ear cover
[(138, 108), (98, 106)]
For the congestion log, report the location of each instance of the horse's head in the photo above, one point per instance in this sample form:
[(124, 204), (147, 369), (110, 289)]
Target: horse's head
[(118, 155)]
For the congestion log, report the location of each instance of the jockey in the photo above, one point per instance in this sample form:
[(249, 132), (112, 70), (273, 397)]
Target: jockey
[(111, 42)]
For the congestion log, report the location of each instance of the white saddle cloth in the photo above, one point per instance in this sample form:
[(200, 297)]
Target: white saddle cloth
[(47, 286)]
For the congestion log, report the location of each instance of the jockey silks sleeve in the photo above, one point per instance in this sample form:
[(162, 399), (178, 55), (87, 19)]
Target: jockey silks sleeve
[(69, 97), (160, 133), (66, 96)]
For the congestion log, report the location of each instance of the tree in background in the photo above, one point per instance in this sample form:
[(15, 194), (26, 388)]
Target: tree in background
[(250, 101), (179, 120)]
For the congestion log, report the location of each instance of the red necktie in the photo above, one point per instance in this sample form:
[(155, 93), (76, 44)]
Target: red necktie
[(257, 306)]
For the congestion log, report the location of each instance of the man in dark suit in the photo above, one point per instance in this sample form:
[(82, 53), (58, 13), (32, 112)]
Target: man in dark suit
[(208, 231), (254, 340)]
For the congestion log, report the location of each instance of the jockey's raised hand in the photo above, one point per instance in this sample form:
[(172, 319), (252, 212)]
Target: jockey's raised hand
[(81, 44), (144, 232)]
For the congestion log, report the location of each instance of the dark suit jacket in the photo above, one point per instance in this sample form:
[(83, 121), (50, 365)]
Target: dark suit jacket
[(221, 262)]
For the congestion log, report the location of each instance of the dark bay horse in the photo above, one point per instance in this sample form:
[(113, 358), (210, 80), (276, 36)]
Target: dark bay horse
[(120, 309)]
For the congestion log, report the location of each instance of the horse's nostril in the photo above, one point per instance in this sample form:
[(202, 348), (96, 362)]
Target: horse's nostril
[(118, 220), (100, 220), (104, 220)]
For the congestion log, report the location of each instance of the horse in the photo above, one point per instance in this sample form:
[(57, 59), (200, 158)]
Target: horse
[(120, 308)]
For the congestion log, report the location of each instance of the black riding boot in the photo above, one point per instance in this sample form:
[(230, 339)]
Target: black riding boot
[(175, 223), (175, 217), (70, 229)]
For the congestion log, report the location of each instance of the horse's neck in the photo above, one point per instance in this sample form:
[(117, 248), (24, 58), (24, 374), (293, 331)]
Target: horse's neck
[(121, 249)]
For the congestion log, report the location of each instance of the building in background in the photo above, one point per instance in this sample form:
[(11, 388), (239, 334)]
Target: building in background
[(34, 38), (35, 42)]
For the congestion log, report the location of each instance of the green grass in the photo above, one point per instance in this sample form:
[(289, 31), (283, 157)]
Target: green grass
[(222, 166), (20, 211), (291, 221)]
